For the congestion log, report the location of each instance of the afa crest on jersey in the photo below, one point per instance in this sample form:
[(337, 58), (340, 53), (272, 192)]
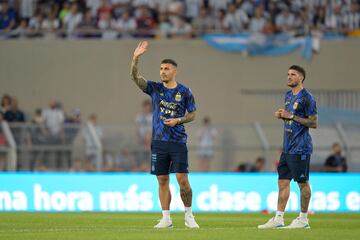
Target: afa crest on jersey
[(295, 105), (178, 97)]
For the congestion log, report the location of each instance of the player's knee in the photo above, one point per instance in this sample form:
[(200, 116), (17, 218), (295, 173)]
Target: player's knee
[(305, 189), (283, 184), (183, 182), (163, 180)]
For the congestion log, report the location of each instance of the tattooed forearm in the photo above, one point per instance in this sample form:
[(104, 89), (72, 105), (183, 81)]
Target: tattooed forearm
[(188, 117), (310, 122), (186, 196), (135, 76)]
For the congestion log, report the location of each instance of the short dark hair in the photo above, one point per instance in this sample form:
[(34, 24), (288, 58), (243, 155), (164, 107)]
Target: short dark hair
[(169, 61), (299, 69)]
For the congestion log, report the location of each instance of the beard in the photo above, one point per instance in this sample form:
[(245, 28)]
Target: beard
[(292, 85), (164, 80)]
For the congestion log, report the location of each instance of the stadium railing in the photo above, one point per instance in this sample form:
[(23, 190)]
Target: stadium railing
[(79, 148)]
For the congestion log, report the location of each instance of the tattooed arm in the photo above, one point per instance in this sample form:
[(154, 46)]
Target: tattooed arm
[(139, 80), (171, 122), (310, 122), (189, 117)]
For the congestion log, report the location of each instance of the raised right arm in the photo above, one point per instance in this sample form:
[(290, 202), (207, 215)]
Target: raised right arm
[(139, 80), (135, 76)]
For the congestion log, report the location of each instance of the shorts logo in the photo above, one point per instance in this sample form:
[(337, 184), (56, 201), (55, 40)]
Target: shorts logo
[(153, 161)]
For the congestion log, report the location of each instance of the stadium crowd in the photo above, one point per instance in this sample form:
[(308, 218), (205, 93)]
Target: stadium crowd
[(112, 19)]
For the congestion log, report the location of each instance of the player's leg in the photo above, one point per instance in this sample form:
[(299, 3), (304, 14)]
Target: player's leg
[(305, 193), (186, 197), (285, 176), (185, 189), (300, 168), (180, 165), (283, 195), (164, 192), (165, 199), (160, 164)]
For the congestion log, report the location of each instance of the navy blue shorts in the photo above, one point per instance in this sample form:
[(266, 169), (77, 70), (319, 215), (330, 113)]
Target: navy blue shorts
[(168, 157), (294, 166)]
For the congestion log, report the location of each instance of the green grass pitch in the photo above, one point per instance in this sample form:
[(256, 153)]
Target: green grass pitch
[(328, 226)]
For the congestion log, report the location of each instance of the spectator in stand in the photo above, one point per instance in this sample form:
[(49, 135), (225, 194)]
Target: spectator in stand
[(145, 22), (104, 22), (175, 10), (150, 4), (38, 136), (269, 28), (90, 144), (335, 20), (35, 24), (206, 136), (14, 114), (162, 6), (26, 8), (87, 26), (50, 24), (217, 5), (7, 17), (126, 25), (64, 11), (257, 23), (164, 26), (302, 23), (181, 29), (192, 9), (120, 7), (144, 131), (203, 23), (219, 25), (242, 167), (352, 19), (22, 30), (236, 20), (72, 20), (5, 103), (285, 21), (72, 125), (54, 122), (2, 144), (336, 162), (319, 19), (104, 8), (258, 166), (93, 5)]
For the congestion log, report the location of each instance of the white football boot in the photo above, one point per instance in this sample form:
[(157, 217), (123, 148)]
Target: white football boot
[(164, 223), (272, 223), (190, 222), (299, 223)]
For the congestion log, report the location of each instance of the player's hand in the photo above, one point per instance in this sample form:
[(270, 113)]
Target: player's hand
[(285, 114), (171, 122), (278, 114), (140, 49)]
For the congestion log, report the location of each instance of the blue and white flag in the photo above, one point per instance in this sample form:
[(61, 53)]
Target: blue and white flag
[(258, 44)]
